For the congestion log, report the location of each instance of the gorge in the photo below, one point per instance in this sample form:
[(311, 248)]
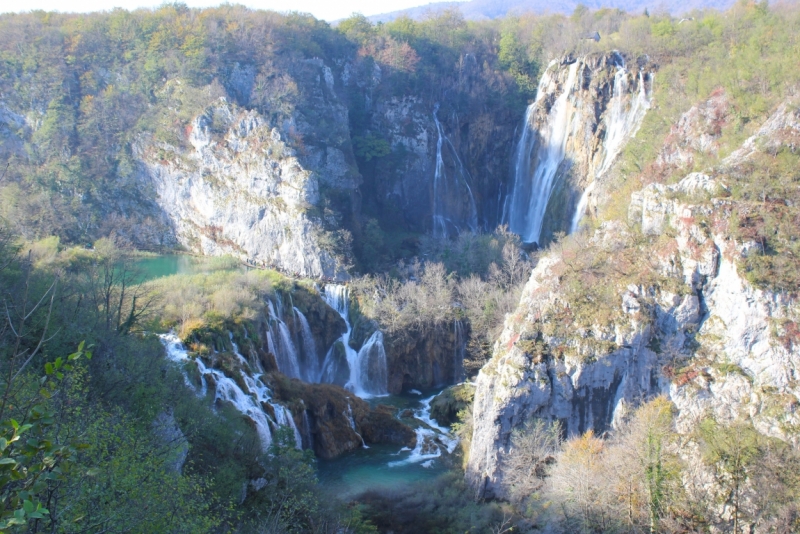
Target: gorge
[(536, 273)]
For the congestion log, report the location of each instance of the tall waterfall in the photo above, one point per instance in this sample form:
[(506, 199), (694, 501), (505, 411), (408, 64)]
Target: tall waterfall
[(449, 192), (566, 136), (539, 155), (367, 367)]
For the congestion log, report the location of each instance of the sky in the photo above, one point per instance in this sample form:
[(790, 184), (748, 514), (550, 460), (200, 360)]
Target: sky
[(322, 9)]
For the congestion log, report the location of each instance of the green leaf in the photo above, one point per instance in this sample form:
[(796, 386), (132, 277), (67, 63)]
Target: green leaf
[(48, 368), (8, 461), (28, 506)]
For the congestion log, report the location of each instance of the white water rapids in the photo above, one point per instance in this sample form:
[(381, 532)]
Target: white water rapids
[(248, 403)]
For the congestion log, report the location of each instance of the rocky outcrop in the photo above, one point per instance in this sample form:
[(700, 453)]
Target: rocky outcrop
[(335, 421), (696, 132), (701, 335), (240, 190), (425, 357)]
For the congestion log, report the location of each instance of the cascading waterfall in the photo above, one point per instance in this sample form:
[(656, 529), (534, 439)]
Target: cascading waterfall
[(367, 367), (537, 160), (368, 370), (444, 191), (279, 342), (228, 390), (175, 352), (248, 403), (284, 418), (542, 154), (430, 439), (310, 364)]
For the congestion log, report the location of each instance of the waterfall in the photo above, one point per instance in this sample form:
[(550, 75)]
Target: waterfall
[(248, 403), (349, 415), (459, 352), (284, 418), (622, 123), (444, 192), (308, 437), (540, 153), (368, 369), (176, 353), (310, 367), (236, 352), (430, 438), (279, 342), (545, 151), (228, 390)]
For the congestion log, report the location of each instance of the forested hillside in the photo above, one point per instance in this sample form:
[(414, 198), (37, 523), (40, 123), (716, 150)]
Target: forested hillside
[(264, 274)]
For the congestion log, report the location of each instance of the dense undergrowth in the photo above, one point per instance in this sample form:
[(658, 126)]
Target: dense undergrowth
[(105, 435), (117, 442)]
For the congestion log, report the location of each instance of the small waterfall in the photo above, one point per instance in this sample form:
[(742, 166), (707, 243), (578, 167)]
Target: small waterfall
[(228, 390), (444, 191), (430, 439), (284, 418), (248, 403), (280, 343), (310, 367), (175, 352), (308, 437), (368, 368), (368, 371), (236, 352), (459, 352), (349, 415)]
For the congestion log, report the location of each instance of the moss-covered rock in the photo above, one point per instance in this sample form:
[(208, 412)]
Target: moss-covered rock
[(337, 419), (446, 406)]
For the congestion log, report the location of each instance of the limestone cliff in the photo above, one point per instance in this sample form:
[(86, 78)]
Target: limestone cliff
[(687, 325), (245, 187)]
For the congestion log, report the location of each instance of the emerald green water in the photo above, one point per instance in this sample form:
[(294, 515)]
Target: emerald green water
[(362, 470), (171, 264)]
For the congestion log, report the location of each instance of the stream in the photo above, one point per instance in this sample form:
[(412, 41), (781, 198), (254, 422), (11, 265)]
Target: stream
[(390, 467)]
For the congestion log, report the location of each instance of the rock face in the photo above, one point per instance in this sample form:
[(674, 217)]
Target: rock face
[(242, 190), (461, 132), (425, 358), (703, 336), (334, 421)]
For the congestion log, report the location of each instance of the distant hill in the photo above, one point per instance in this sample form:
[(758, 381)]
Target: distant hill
[(491, 9)]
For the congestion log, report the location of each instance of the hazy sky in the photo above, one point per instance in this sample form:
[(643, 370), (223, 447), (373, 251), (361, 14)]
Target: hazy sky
[(322, 9)]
